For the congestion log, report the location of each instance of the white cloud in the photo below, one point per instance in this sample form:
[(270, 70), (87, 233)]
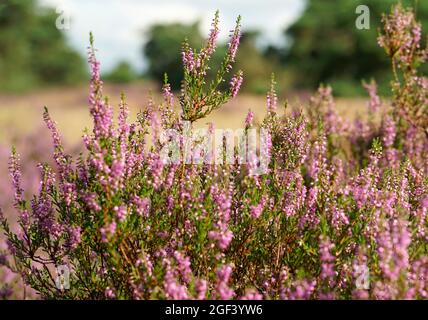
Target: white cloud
[(119, 26)]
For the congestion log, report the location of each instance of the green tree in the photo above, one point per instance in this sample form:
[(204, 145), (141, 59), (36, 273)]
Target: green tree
[(33, 52), (163, 50), (122, 73), (327, 47), (257, 66)]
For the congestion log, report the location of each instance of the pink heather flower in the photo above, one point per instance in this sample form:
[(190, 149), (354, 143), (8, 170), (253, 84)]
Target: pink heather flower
[(375, 102), (90, 199), (120, 212), (318, 160), (60, 158), (42, 209), (100, 111), (327, 259), (74, 237), (188, 60), (201, 287), (222, 290), (156, 166), (116, 173), (108, 231), (142, 205), (235, 84), (389, 132), (419, 276), (145, 263), (257, 210), (109, 293), (393, 241), (327, 273), (212, 38), (234, 41), (359, 266), (302, 290), (222, 238), (15, 173), (338, 218), (173, 289), (69, 190), (310, 217), (271, 97), (169, 180), (168, 96), (402, 34), (183, 266), (421, 216), (252, 294), (249, 119)]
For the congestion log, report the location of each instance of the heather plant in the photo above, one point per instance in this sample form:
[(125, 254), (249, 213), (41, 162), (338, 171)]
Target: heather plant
[(339, 213)]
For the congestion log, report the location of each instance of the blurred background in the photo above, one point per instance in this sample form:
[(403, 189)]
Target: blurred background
[(43, 46)]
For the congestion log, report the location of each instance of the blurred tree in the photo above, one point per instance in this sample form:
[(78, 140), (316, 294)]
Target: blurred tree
[(257, 65), (122, 73), (327, 47), (163, 50), (33, 51)]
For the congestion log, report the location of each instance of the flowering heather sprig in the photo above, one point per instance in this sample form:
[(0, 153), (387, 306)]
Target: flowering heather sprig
[(15, 173), (302, 290), (99, 109), (402, 35), (168, 96), (389, 132), (327, 274), (374, 103), (201, 289), (173, 289), (271, 97), (359, 267), (235, 83), (188, 59), (222, 290), (183, 266), (234, 40), (252, 295), (212, 38), (142, 205), (249, 119), (327, 260), (109, 293), (197, 100), (256, 210), (401, 40)]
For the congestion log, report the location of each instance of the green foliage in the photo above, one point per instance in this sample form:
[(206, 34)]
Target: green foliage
[(33, 52), (122, 73), (163, 48), (256, 66), (327, 46)]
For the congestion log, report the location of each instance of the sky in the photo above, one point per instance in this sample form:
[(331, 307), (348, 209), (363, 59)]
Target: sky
[(119, 26)]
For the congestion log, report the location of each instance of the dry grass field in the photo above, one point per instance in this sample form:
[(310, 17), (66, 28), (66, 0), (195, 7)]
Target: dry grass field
[(22, 114)]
